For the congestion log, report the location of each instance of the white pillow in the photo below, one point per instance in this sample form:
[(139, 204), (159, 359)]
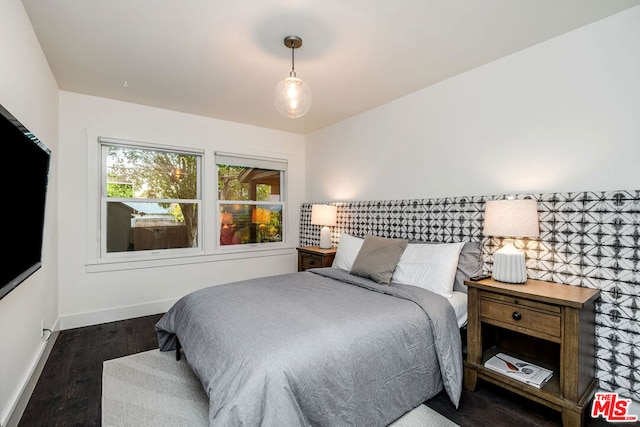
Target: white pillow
[(429, 266), (348, 249)]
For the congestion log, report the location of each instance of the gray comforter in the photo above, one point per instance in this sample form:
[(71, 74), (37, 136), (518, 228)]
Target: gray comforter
[(320, 347)]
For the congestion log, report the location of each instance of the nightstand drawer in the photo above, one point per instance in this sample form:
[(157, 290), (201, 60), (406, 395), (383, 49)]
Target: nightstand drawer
[(315, 257), (516, 314), (311, 261)]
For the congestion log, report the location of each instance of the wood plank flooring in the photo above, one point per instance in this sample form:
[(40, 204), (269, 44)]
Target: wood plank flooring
[(70, 387), (69, 391)]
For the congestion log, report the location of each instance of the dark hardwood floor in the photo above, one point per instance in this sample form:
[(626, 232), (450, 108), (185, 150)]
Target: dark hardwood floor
[(492, 406), (69, 390)]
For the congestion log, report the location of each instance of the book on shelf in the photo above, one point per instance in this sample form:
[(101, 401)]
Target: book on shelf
[(518, 369)]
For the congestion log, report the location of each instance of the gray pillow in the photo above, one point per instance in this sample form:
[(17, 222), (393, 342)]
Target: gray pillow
[(469, 263), (378, 258)]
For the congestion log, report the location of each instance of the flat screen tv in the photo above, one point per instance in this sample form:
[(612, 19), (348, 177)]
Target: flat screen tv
[(24, 171)]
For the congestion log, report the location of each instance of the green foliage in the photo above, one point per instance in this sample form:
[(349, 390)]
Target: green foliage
[(263, 192), (119, 190), (229, 186), (155, 174), (175, 210)]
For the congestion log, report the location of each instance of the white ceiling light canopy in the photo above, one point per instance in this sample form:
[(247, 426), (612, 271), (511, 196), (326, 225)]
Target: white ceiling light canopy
[(292, 95)]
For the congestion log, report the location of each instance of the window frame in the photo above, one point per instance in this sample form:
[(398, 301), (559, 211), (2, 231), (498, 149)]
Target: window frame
[(103, 201), (258, 162)]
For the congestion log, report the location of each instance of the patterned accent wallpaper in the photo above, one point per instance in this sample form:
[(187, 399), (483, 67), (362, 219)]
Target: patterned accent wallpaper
[(589, 239)]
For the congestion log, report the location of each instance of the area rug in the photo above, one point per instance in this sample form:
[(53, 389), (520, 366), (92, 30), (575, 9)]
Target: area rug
[(153, 389)]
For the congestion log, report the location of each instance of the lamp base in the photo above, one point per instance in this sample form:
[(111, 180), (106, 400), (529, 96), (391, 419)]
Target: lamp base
[(509, 264), (325, 238)]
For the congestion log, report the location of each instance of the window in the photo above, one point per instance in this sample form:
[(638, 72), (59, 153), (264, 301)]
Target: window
[(250, 199), (150, 198)]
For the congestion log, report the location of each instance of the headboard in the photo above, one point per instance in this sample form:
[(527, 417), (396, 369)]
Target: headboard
[(589, 239)]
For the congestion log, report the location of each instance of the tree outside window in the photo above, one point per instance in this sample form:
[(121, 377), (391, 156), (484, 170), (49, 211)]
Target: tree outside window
[(151, 198)]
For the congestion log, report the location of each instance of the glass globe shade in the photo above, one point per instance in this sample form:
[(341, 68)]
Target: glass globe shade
[(292, 97)]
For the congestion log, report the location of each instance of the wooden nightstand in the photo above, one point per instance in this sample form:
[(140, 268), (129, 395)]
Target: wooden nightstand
[(548, 324), (314, 257)]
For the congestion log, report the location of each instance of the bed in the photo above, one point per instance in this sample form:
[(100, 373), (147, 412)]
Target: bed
[(320, 347)]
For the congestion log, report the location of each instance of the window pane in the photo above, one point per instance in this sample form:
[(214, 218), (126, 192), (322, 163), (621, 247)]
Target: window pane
[(144, 226), (149, 174), (243, 183), (245, 223)]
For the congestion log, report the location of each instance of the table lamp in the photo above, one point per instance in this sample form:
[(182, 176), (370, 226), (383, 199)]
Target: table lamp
[(226, 218), (510, 219), (324, 215)]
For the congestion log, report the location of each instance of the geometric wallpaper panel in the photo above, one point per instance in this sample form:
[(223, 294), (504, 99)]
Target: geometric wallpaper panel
[(589, 239)]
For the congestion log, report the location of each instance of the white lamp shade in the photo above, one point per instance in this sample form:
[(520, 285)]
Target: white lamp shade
[(324, 215), (511, 218), (292, 97)]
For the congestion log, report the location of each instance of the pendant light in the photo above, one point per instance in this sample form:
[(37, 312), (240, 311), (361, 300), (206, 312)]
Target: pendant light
[(292, 95)]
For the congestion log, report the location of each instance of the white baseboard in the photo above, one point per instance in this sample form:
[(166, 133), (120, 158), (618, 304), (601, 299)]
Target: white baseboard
[(79, 320), (21, 397)]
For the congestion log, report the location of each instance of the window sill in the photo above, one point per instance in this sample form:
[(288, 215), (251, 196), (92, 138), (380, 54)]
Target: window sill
[(152, 261)]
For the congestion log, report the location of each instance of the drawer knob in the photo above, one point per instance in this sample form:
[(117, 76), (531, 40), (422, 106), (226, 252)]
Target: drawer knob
[(516, 315)]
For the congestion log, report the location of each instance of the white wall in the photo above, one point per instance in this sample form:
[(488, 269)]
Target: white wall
[(29, 91), (563, 115), (91, 294)]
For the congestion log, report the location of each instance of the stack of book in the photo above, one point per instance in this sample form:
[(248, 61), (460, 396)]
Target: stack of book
[(519, 370)]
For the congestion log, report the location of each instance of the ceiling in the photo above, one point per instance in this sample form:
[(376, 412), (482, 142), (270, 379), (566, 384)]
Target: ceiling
[(223, 59)]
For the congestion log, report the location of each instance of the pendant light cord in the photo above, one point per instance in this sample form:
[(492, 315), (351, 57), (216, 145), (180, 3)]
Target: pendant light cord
[(293, 60)]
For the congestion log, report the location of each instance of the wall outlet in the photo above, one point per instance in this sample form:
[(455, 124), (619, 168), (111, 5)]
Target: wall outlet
[(41, 328)]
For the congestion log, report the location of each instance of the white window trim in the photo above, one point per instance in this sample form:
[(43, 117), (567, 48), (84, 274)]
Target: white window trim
[(100, 254), (129, 143), (209, 250)]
